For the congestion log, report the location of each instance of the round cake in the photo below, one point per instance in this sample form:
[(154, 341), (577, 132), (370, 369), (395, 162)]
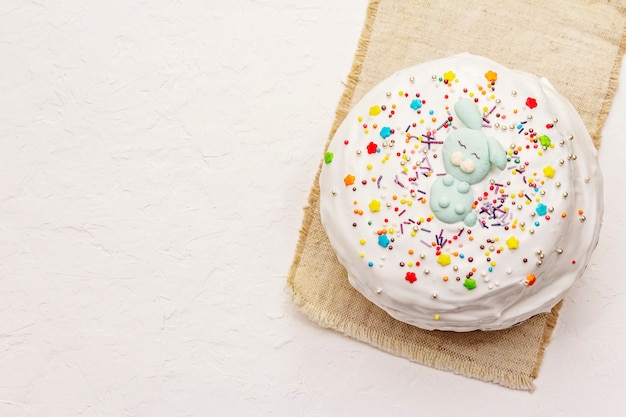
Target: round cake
[(462, 195)]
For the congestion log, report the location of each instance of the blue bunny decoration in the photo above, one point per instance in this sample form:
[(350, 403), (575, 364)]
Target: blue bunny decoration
[(467, 157)]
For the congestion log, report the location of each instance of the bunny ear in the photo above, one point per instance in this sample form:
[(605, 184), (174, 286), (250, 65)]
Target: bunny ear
[(497, 154), (469, 114)]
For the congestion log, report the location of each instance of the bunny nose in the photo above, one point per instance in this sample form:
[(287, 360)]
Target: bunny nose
[(466, 165)]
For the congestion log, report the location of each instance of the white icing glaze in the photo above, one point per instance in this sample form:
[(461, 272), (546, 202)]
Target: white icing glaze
[(397, 177)]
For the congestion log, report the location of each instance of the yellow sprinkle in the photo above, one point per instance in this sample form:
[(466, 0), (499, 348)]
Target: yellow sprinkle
[(391, 230), (361, 255), (436, 316), (369, 166), (360, 118), (413, 233), (362, 241)]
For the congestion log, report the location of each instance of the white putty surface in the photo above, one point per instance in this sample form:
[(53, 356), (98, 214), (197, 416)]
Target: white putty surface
[(154, 161)]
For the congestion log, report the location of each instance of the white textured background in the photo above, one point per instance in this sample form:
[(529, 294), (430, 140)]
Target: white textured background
[(154, 161)]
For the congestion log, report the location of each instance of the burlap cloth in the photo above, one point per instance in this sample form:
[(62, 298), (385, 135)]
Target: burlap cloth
[(577, 45)]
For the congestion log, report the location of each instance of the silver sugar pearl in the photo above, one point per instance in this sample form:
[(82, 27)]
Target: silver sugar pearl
[(388, 93), (555, 120), (334, 192), (583, 218), (559, 251), (498, 101), (587, 179), (571, 137), (426, 271), (388, 204), (422, 256), (565, 194), (455, 268), (412, 79), (531, 231), (557, 184), (513, 93), (529, 117), (561, 162), (551, 209), (434, 295), (539, 263), (379, 291)]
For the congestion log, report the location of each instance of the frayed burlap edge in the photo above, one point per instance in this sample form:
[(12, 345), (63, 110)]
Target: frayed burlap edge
[(596, 134)]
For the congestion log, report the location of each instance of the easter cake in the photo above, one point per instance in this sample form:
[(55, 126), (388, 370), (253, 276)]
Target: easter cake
[(462, 195)]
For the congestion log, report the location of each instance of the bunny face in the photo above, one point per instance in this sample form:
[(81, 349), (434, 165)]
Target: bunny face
[(466, 155)]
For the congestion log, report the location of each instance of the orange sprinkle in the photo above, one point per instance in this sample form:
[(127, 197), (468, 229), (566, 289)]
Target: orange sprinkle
[(445, 278), (564, 215), (411, 252), (580, 212)]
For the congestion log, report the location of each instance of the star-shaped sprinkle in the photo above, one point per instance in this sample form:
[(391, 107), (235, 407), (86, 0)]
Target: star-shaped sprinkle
[(375, 110), (491, 76), (383, 240), (372, 148), (449, 75), (349, 180), (416, 104), (411, 277), (512, 243), (469, 283), (444, 259), (541, 209), (385, 132), (531, 103), (530, 280), (374, 206), (328, 157), (549, 171)]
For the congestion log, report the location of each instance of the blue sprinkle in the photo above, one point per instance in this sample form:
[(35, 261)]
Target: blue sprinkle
[(431, 112), (490, 269), (461, 256), (537, 224), (385, 132), (541, 209), (383, 241), (370, 263), (416, 104)]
